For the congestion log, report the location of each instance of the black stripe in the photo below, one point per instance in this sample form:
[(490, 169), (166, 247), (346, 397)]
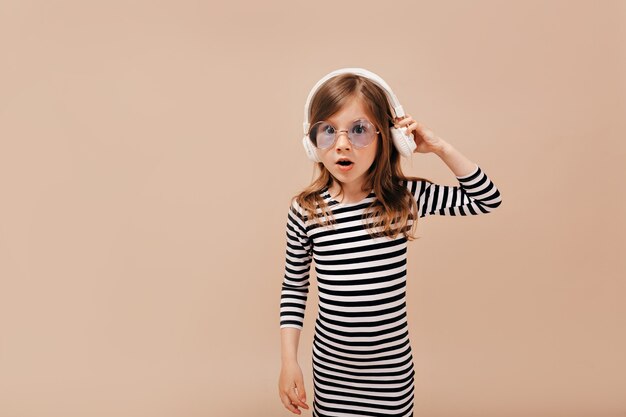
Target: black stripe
[(366, 270)]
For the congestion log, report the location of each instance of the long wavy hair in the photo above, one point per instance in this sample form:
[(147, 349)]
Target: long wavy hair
[(394, 207)]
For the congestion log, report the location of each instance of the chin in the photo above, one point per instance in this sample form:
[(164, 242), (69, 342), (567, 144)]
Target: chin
[(348, 177)]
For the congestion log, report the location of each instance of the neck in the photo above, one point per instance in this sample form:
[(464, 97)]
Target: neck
[(352, 192)]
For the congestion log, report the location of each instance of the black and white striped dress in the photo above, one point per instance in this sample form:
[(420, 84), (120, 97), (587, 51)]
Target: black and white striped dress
[(362, 359)]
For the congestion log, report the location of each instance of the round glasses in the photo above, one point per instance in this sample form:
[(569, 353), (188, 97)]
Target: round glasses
[(361, 133)]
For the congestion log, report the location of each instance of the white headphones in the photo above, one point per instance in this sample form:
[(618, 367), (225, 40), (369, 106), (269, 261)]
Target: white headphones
[(404, 143)]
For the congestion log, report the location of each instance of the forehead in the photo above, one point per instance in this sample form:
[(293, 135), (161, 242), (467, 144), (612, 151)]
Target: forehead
[(351, 111)]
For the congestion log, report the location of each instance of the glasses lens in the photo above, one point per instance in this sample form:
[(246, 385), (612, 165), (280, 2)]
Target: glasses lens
[(360, 134), (322, 134)]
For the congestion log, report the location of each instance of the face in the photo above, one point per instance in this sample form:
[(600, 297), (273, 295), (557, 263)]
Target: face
[(362, 158)]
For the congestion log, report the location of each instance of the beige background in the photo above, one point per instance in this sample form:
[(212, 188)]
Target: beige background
[(148, 151)]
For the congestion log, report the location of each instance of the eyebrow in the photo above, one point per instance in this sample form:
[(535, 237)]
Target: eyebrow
[(358, 118)]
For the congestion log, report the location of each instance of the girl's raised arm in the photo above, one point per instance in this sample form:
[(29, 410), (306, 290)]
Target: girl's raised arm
[(475, 194)]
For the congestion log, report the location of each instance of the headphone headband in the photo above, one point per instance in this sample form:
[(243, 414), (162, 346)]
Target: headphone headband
[(395, 104)]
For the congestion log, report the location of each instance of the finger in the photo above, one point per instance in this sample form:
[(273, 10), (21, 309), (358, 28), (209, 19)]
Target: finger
[(402, 123), (288, 405), (425, 129), (293, 396), (409, 121), (301, 393), (421, 129), (412, 126)]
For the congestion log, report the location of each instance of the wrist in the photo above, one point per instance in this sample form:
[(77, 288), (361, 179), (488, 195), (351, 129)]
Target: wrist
[(444, 149), (289, 360)]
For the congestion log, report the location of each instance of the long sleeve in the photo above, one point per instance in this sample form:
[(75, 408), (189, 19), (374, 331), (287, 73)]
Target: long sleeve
[(475, 194), (295, 286)]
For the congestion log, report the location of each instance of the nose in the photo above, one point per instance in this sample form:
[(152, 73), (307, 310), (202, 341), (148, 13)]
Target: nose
[(342, 140)]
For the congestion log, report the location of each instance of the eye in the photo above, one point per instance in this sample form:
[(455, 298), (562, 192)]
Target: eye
[(328, 129), (360, 128)]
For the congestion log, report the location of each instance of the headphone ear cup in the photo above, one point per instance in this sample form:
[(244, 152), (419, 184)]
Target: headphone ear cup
[(405, 144), (310, 149)]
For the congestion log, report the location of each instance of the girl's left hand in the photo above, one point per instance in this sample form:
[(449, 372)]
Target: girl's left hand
[(425, 139)]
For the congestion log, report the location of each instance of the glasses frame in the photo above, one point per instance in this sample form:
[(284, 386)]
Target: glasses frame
[(338, 132)]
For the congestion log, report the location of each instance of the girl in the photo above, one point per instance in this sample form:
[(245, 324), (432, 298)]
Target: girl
[(355, 220)]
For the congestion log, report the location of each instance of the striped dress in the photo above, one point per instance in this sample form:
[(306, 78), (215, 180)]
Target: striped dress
[(362, 359)]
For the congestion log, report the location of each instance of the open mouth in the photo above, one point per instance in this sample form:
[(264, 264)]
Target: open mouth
[(345, 164)]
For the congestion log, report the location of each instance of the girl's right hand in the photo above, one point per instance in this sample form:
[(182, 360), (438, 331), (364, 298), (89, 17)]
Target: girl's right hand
[(291, 387)]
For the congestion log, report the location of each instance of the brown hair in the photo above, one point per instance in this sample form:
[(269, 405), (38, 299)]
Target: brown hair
[(394, 203)]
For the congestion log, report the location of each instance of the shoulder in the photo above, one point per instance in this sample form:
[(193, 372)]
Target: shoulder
[(294, 205), (309, 201), (296, 210)]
